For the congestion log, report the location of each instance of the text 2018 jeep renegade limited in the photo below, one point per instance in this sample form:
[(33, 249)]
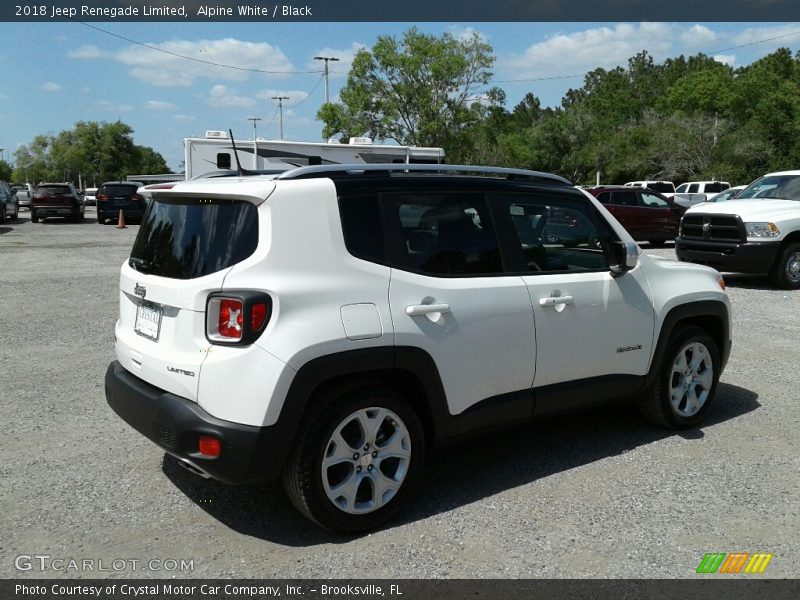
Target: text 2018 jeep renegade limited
[(331, 324)]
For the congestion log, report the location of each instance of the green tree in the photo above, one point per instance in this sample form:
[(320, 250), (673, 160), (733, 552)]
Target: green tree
[(422, 90), (94, 151), (5, 171)]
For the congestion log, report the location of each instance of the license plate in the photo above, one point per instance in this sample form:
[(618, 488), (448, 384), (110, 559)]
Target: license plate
[(148, 321)]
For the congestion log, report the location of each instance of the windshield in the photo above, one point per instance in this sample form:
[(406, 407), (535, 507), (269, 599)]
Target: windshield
[(781, 187), (188, 238)]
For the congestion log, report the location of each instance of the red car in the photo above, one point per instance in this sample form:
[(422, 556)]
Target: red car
[(645, 214)]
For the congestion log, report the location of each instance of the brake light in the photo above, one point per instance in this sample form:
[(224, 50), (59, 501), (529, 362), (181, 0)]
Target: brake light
[(137, 197), (258, 316), (230, 319), (237, 317), (101, 197), (209, 446)]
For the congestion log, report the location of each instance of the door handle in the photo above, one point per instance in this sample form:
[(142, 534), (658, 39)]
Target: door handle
[(425, 309), (554, 300)]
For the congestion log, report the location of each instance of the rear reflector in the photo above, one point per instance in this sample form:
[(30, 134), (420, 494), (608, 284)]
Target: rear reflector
[(258, 316), (230, 318), (209, 446)]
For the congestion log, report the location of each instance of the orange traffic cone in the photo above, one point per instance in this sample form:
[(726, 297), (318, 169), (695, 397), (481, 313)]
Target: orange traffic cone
[(121, 220)]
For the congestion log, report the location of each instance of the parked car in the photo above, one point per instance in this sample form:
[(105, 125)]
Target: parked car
[(25, 193), (89, 196), (667, 188), (57, 200), (644, 213), (115, 196), (690, 193), (757, 232), (332, 324), (10, 204), (728, 194)]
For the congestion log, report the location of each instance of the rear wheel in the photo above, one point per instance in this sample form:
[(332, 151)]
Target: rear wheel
[(3, 214), (357, 461), (34, 216), (785, 273), (685, 382)]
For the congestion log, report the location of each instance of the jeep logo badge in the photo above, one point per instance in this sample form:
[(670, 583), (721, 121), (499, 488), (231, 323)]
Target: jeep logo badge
[(706, 227), (140, 290)]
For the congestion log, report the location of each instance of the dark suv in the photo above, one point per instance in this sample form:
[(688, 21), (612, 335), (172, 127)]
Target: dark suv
[(57, 200), (644, 213), (115, 196)]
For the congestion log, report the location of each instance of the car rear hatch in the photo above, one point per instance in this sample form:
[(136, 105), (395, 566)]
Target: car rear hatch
[(186, 245), (53, 195), (119, 195)]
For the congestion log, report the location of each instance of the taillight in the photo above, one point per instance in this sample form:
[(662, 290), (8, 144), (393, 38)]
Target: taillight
[(237, 317), (101, 197), (137, 197), (209, 446)]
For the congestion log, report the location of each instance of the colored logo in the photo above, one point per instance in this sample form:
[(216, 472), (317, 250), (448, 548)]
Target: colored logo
[(734, 562)]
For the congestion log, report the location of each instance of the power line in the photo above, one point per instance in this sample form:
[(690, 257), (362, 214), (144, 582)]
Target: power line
[(198, 60)]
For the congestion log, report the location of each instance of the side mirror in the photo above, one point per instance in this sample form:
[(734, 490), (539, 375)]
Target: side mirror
[(625, 257)]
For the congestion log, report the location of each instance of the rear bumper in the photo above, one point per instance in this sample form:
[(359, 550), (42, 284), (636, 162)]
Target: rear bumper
[(55, 211), (113, 211), (745, 257), (173, 423)]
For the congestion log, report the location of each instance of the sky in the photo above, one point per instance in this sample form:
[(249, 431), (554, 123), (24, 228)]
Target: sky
[(56, 74)]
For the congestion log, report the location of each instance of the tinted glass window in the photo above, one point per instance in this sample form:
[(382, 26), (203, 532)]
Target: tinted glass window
[(693, 188), (713, 188), (223, 160), (661, 187), (49, 190), (604, 197), (558, 235), (362, 228), (184, 239), (443, 234), (624, 198), (654, 201), (682, 188), (118, 189)]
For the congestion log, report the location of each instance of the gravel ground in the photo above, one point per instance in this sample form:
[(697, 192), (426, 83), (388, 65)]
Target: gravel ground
[(599, 494)]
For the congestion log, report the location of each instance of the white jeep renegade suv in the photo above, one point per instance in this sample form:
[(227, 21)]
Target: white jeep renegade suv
[(331, 324)]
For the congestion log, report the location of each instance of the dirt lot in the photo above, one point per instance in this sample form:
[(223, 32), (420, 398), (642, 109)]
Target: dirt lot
[(600, 494)]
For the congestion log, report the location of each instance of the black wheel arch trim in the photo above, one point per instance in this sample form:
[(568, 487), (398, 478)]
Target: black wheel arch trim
[(694, 313)]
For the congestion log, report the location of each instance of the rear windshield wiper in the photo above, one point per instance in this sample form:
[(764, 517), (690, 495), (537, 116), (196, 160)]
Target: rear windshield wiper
[(140, 264)]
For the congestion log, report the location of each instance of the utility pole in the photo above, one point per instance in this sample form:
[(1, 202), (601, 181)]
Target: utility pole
[(326, 59), (280, 100), (255, 141)]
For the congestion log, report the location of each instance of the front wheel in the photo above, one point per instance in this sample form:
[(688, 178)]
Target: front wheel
[(357, 460), (685, 382), (785, 272)]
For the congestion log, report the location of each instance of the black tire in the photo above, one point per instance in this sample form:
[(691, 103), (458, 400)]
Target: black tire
[(34, 216), (785, 273), (303, 473), (3, 214), (101, 221), (655, 403)]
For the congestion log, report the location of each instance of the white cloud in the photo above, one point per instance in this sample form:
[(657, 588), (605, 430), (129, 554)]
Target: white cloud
[(109, 106), (726, 59), (88, 51), (786, 33), (699, 36), (581, 51), (223, 97), (49, 86), (163, 68), (465, 33), (160, 105), (341, 67), (184, 118), (295, 96)]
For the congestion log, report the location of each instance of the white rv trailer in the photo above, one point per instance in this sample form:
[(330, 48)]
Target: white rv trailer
[(214, 152)]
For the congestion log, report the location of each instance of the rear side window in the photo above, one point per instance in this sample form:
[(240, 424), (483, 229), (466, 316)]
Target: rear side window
[(661, 187), (442, 234), (188, 238), (693, 188), (362, 228), (623, 198)]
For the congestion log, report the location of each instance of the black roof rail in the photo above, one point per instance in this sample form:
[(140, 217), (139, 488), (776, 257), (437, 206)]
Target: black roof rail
[(345, 170)]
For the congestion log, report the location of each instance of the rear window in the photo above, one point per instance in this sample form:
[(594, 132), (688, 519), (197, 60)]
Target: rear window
[(119, 189), (661, 187), (188, 238), (52, 190)]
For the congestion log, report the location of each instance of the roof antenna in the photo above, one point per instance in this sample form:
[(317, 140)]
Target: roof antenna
[(239, 170)]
